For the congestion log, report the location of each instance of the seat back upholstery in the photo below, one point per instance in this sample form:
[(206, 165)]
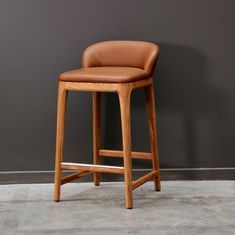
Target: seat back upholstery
[(135, 54)]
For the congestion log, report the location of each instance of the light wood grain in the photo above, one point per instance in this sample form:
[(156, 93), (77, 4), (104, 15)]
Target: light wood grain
[(96, 104), (92, 167), (124, 99), (61, 107), (142, 83), (124, 91), (105, 87), (86, 86), (151, 109), (74, 176), (119, 154)]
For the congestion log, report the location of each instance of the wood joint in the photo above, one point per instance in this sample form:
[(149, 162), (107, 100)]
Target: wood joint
[(144, 179)]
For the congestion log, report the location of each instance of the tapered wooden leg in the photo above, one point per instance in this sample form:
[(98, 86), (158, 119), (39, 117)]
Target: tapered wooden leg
[(61, 107), (96, 97), (151, 108), (124, 98)]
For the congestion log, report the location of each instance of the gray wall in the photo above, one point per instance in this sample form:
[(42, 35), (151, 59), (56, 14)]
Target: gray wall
[(195, 79)]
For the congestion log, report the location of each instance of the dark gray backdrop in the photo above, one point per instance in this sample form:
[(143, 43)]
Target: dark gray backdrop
[(195, 79)]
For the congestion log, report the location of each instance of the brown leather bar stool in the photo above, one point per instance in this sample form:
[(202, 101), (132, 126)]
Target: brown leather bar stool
[(111, 66)]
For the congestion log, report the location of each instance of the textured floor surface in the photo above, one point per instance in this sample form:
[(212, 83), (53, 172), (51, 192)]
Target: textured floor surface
[(183, 207)]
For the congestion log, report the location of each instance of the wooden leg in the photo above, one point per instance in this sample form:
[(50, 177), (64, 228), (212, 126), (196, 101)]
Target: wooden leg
[(62, 98), (151, 109), (124, 99), (96, 97)]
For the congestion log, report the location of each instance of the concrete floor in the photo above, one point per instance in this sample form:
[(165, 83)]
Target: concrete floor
[(183, 207)]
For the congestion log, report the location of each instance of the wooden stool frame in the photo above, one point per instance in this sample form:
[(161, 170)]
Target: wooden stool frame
[(124, 93)]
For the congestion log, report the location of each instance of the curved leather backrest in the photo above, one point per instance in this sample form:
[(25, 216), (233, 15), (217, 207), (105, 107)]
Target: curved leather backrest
[(136, 54)]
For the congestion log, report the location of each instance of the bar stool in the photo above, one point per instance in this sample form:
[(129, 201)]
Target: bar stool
[(111, 66)]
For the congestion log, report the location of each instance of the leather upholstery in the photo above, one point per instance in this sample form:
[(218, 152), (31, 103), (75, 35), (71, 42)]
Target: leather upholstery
[(104, 74), (115, 61)]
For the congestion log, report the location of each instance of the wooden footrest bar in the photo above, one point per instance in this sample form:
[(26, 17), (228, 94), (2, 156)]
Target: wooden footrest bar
[(92, 167), (143, 179), (119, 153), (74, 176)]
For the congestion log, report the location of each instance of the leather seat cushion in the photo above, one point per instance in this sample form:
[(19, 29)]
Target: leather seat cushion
[(104, 74)]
